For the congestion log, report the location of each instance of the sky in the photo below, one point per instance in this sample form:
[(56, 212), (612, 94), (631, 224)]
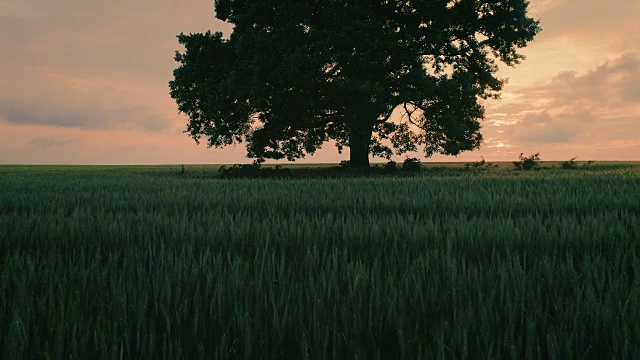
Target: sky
[(86, 82)]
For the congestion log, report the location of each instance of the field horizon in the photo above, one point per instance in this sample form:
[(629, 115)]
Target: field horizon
[(325, 164)]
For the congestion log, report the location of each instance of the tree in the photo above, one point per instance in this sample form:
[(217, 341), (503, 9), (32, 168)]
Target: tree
[(295, 74)]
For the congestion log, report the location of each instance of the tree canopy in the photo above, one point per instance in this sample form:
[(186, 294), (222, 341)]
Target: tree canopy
[(295, 74)]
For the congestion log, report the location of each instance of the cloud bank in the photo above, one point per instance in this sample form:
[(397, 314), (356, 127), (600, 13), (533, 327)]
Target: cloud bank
[(592, 105)]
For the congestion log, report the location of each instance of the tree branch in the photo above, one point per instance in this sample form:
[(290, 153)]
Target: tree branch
[(387, 115)]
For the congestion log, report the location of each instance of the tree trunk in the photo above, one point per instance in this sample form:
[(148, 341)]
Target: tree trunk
[(359, 140)]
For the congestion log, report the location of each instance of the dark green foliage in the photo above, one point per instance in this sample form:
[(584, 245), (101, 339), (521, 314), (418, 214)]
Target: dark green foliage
[(476, 164), (252, 171), (296, 74), (391, 166), (527, 163), (411, 164), (570, 164)]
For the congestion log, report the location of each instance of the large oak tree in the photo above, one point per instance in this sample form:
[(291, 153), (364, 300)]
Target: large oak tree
[(295, 74)]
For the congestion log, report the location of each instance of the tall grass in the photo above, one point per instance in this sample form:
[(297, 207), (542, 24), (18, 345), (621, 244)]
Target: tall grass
[(141, 262)]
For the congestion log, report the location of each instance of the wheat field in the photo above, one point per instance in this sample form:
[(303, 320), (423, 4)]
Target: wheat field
[(166, 262)]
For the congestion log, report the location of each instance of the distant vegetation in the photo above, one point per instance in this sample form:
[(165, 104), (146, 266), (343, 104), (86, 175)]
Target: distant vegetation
[(570, 165), (322, 262), (527, 163)]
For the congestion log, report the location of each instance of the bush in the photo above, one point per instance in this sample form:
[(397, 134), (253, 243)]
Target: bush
[(570, 165), (239, 170), (411, 164), (527, 163), (345, 163), (480, 163), (251, 171), (391, 166)]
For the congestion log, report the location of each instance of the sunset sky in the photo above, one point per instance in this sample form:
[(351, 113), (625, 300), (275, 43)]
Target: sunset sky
[(85, 82)]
